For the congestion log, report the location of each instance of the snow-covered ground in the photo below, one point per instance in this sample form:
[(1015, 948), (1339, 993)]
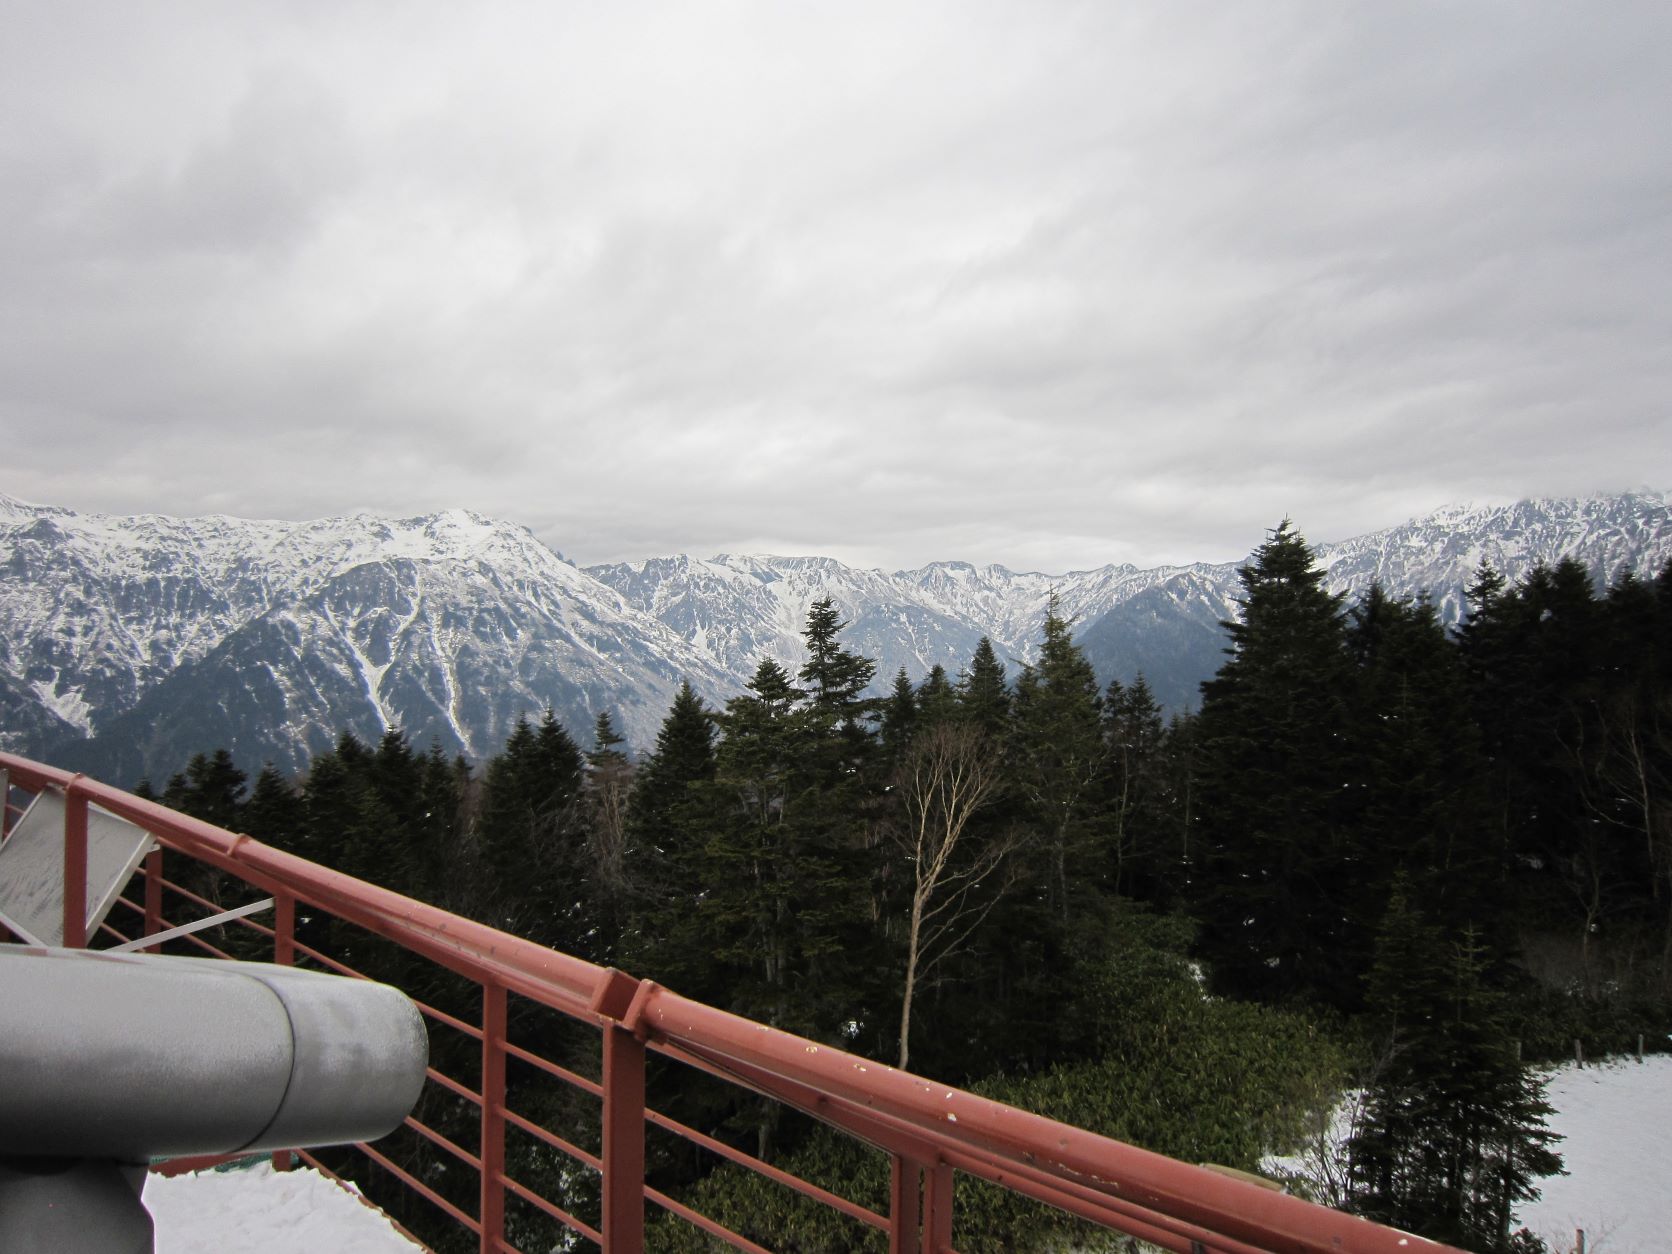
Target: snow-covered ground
[(1615, 1118), (256, 1210)]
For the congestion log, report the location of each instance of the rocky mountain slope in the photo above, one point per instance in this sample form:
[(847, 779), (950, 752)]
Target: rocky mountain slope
[(126, 644)]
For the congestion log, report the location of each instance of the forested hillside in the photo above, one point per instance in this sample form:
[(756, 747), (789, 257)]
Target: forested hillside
[(1381, 854)]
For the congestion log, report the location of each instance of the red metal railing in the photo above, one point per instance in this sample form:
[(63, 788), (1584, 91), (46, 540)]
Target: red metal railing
[(929, 1131)]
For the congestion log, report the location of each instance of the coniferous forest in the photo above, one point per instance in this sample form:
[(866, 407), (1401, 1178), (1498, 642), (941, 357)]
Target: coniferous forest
[(1381, 857)]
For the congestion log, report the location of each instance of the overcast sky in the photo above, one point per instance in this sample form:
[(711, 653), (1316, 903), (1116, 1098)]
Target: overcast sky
[(1042, 283)]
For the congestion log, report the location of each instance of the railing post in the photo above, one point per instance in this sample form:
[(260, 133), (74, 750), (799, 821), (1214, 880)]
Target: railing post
[(491, 1212), (284, 955), (937, 1209), (623, 1141), (154, 896), (284, 928), (903, 1218), (75, 867)]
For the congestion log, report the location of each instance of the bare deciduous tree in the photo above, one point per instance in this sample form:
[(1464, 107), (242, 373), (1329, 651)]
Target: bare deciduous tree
[(946, 776)]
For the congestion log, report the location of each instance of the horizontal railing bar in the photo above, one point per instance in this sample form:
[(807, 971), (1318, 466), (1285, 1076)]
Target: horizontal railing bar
[(834, 1200), (556, 1212), (1004, 1136), (443, 1017), (885, 1131), (551, 1138), (197, 925), (457, 1151), (551, 1068), (104, 926), (1100, 1208), (428, 1195), (341, 968), (412, 1182), (699, 1220), (214, 907), (449, 1083)]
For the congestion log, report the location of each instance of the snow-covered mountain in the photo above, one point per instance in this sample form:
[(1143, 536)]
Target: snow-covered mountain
[(126, 644), (1163, 622)]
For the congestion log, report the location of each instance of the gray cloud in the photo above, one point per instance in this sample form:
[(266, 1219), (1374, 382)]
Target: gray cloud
[(1048, 284)]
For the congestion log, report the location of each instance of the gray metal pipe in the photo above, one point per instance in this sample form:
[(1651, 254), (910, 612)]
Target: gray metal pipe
[(110, 1060), (138, 1056)]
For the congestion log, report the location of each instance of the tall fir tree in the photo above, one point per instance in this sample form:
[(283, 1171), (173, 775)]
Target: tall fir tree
[(1419, 801), (669, 823), (1133, 829), (782, 908), (1276, 860), (898, 717), (529, 838), (984, 691), (937, 699), (274, 813), (607, 793), (1059, 751), (1452, 1135)]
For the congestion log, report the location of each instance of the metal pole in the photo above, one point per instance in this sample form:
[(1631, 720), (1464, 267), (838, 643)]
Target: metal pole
[(903, 1217), (284, 955), (75, 867), (623, 1142), (284, 928), (937, 1209), (154, 896), (492, 1209)]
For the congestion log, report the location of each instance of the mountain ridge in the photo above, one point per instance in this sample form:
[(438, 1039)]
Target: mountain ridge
[(126, 643)]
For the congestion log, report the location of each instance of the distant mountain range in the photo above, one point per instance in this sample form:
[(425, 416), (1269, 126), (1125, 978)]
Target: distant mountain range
[(128, 644)]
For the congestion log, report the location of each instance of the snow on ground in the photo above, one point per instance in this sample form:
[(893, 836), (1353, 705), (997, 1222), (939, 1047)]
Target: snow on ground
[(1617, 1121), (1615, 1118), (256, 1210)]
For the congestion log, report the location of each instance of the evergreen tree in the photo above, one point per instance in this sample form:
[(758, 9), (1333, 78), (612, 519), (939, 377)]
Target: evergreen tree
[(1276, 861), (1133, 826), (899, 716), (609, 784), (984, 692), (1059, 751), (668, 824), (784, 896), (444, 788), (836, 677), (212, 789), (275, 813), (1419, 802), (529, 838), (1452, 1135), (937, 699), (782, 912)]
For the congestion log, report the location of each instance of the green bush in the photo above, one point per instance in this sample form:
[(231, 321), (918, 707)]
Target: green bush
[(1178, 1072)]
